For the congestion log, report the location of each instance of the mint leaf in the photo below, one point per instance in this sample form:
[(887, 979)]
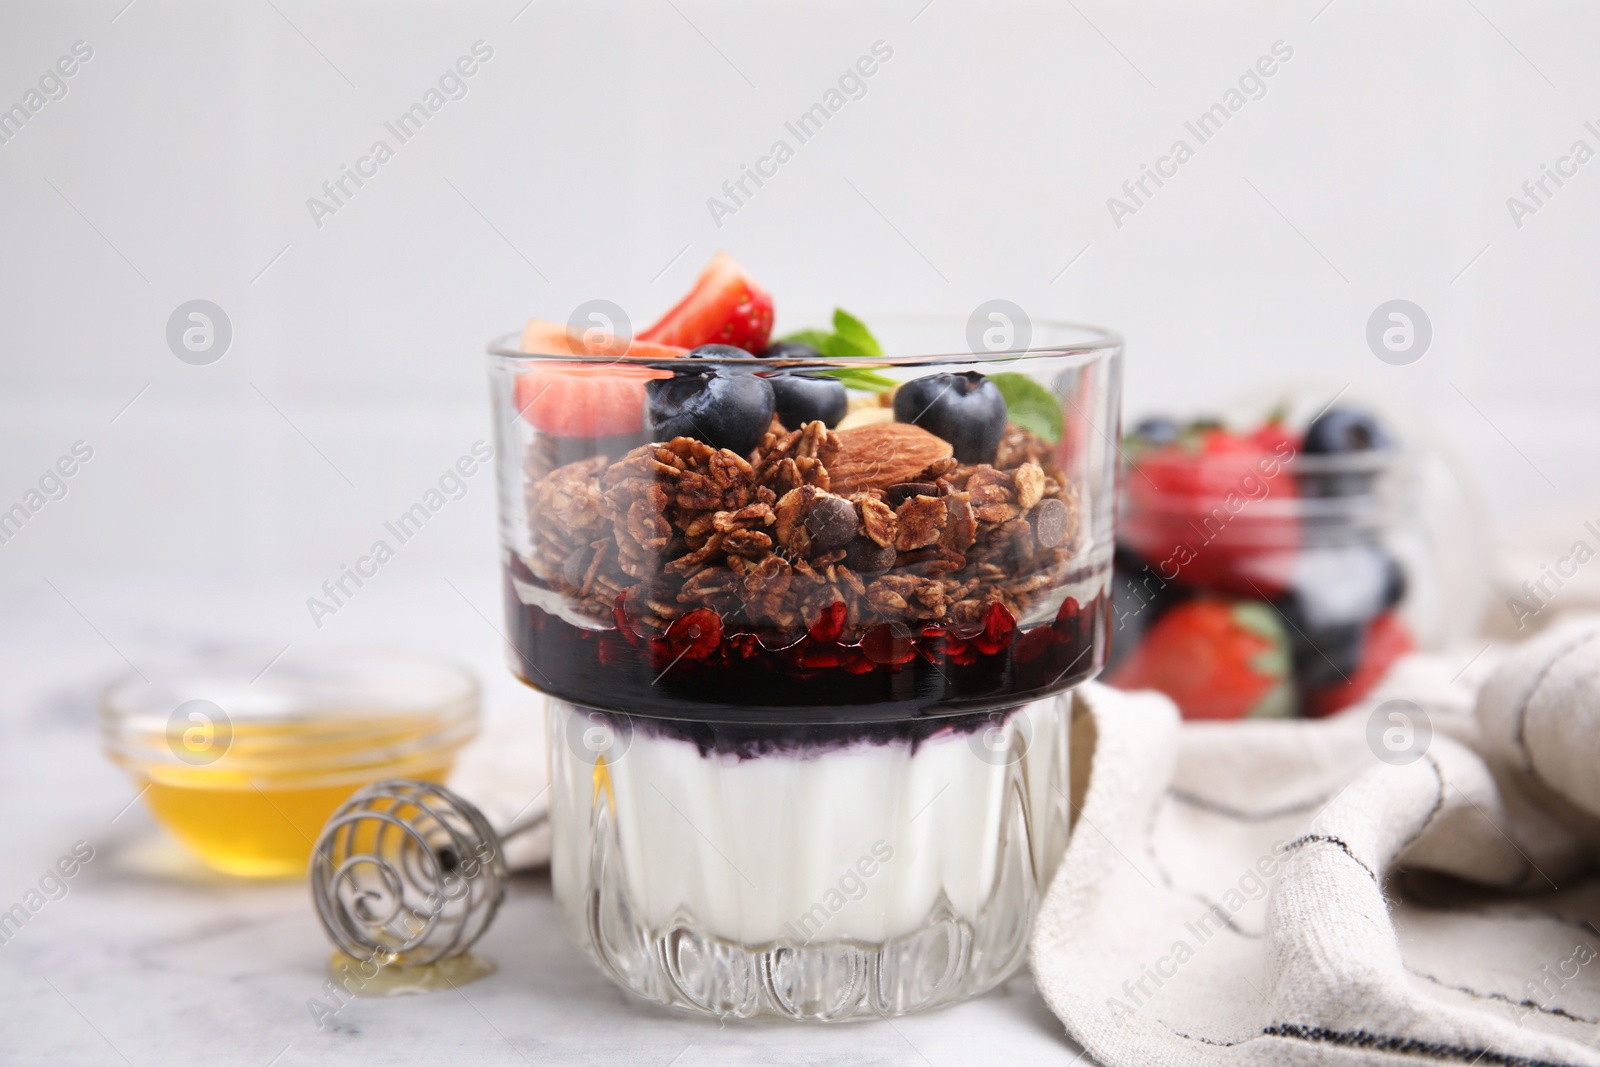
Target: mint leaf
[(850, 339), (861, 379), (854, 333), (838, 346), (1030, 405), (815, 338)]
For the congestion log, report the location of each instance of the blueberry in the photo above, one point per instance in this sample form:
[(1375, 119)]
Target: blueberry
[(965, 409), (1340, 430), (1347, 432), (1157, 431), (1336, 593), (1139, 597), (723, 409), (803, 398), (1325, 657), (1394, 582), (718, 352), (789, 350)]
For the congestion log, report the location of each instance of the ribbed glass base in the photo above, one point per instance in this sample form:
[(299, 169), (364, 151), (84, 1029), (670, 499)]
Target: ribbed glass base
[(945, 959)]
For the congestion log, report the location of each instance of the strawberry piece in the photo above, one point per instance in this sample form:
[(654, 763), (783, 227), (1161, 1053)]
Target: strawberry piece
[(1273, 436), (1216, 659), (582, 400), (725, 307), (1208, 511), (1387, 640)]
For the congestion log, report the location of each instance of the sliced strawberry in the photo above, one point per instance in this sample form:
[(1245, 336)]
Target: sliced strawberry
[(1273, 436), (1387, 640), (581, 400), (542, 337), (725, 307), (1216, 659)]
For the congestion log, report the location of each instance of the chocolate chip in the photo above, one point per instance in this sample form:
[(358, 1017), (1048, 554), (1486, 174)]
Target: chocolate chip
[(831, 521), (576, 566), (868, 558), (1050, 522), (896, 495)]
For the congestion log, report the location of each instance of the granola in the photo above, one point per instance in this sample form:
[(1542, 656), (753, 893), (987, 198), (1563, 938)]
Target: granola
[(885, 523)]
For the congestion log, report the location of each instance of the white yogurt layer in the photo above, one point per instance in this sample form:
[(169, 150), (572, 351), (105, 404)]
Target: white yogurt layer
[(855, 843)]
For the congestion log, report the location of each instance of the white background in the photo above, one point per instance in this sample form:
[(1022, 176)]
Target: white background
[(977, 165)]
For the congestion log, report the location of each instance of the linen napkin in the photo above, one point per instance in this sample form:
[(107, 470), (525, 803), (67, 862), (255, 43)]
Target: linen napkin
[(1412, 881)]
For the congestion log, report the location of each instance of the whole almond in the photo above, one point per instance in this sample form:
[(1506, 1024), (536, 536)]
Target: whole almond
[(883, 454)]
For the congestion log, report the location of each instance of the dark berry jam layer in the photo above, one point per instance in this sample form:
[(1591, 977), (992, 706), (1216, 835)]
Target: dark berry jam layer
[(746, 740), (701, 671)]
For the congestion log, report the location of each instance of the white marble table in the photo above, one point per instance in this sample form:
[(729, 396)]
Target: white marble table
[(148, 959)]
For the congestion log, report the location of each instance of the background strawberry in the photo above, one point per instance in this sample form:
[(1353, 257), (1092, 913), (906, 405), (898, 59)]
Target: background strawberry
[(1216, 658), (1206, 509)]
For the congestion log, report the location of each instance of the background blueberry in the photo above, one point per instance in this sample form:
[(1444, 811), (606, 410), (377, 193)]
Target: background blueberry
[(1342, 432), (1337, 591), (724, 410), (803, 398), (1139, 597), (1339, 430), (1158, 430), (965, 409), (789, 350), (718, 352)]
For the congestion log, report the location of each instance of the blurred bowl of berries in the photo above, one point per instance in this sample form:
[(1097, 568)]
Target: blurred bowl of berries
[(1278, 567)]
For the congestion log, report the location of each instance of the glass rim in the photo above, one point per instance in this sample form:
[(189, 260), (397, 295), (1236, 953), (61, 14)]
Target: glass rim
[(297, 728), (1098, 343), (1398, 459)]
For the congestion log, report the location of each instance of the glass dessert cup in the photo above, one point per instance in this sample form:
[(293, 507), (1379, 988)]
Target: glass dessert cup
[(808, 702), (244, 766)]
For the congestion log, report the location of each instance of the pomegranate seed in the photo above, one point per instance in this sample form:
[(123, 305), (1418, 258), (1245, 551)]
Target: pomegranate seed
[(695, 635), (1035, 643), (999, 628), (830, 624)]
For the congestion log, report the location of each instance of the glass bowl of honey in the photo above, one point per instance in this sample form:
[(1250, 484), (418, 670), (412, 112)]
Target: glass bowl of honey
[(244, 763)]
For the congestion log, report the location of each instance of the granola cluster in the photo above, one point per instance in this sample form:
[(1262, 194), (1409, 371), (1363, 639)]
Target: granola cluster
[(878, 518)]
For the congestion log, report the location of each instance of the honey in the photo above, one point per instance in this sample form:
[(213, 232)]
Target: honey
[(246, 775), (254, 831), (371, 978)]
